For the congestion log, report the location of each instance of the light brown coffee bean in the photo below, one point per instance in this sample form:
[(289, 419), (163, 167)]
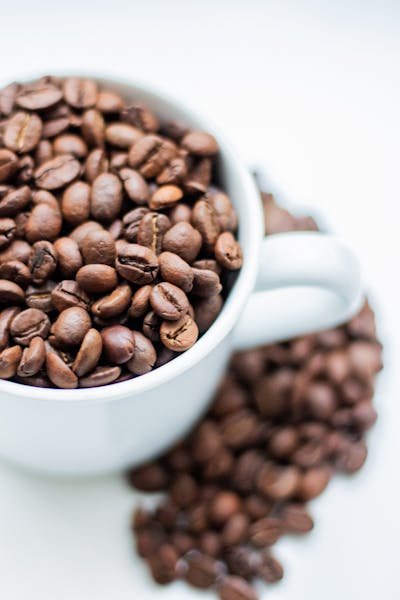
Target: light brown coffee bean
[(17, 250), (100, 376), (81, 231), (140, 302), (54, 127), (278, 483), (106, 197), (69, 256), (8, 231), (33, 358), (38, 96), (116, 229), (150, 154), (80, 93), (144, 357), (137, 264), (59, 372), (9, 361), (71, 326), (14, 201), (43, 152), (140, 116), (205, 220), (11, 293), (236, 588), (93, 127), (313, 482), (45, 197), (175, 270), (165, 196), (168, 301), (89, 353), (22, 133), (8, 96), (8, 164), (28, 324), (97, 278), (174, 173), (184, 240), (114, 304), (180, 212), (122, 135), (135, 185), (228, 251), (200, 143), (40, 296), (96, 163), (67, 294), (44, 223), (70, 144), (57, 172), (6, 316), (109, 102), (179, 335)]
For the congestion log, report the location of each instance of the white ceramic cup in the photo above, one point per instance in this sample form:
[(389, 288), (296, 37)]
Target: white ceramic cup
[(290, 284)]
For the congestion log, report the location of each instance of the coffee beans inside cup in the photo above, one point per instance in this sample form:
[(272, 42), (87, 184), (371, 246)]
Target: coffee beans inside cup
[(115, 242)]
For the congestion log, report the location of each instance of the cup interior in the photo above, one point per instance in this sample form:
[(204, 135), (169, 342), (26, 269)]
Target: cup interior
[(235, 179)]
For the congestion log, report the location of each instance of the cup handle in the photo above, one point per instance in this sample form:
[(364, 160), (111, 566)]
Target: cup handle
[(307, 281)]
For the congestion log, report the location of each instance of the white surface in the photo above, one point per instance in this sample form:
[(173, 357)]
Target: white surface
[(311, 91)]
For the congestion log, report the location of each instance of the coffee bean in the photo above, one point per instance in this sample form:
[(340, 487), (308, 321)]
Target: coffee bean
[(114, 304), (206, 283), (106, 197), (150, 154), (228, 251), (140, 116), (81, 231), (200, 143), (57, 172), (40, 297), (6, 316), (278, 483), (223, 506), (205, 219), (122, 135), (270, 569), (131, 222), (174, 173), (14, 201), (296, 519), (25, 169), (109, 102), (71, 326), (8, 164), (54, 127), (118, 343), (116, 229), (99, 247), (33, 358), (206, 311), (151, 230), (8, 230), (42, 262), (179, 335), (44, 197), (137, 264), (150, 477), (38, 96), (22, 133), (151, 327), (118, 161), (184, 240), (89, 353), (8, 95), (180, 212), (313, 483), (70, 144), (59, 372), (68, 294), (140, 302), (224, 211), (97, 278), (93, 127), (165, 196), (44, 223), (236, 588), (96, 163), (9, 361), (283, 442), (175, 270), (28, 324), (144, 357), (135, 185), (168, 301), (69, 256), (80, 93), (240, 429), (100, 376), (11, 293)]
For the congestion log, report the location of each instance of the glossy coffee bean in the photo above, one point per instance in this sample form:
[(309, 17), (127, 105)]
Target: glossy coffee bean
[(40, 297), (9, 361), (97, 278), (140, 302), (98, 247), (89, 353), (144, 357), (57, 172), (118, 343), (59, 372), (165, 196), (68, 294), (175, 270), (70, 144), (179, 335), (131, 222), (114, 304), (75, 203), (135, 185), (151, 230), (33, 358), (106, 197), (23, 131), (14, 201), (95, 164), (81, 231), (100, 376), (206, 283), (28, 324), (16, 271), (228, 252), (44, 223), (10, 292), (200, 143), (137, 264), (69, 258), (168, 301), (184, 240), (71, 326)]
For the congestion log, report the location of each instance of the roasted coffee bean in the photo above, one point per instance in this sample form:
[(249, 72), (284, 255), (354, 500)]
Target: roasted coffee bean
[(183, 490), (150, 154), (236, 588), (16, 271), (151, 327), (80, 93), (151, 230), (228, 251), (131, 223), (184, 240), (97, 278), (313, 482), (140, 302), (14, 201), (278, 483), (270, 570), (8, 95), (119, 161), (11, 293), (283, 442), (118, 343), (116, 229), (100, 376), (150, 477), (68, 294), (69, 256), (241, 428), (44, 223), (206, 283), (174, 173), (202, 571), (99, 247), (59, 372), (224, 506), (168, 301), (71, 326), (96, 163), (180, 212), (106, 197), (206, 311), (114, 304), (8, 164), (28, 324), (44, 197), (140, 116), (81, 231), (109, 102), (9, 361), (296, 519), (199, 177), (165, 196), (200, 143), (70, 144), (144, 357), (205, 219), (224, 211), (179, 335), (89, 353), (208, 264), (122, 135), (38, 96), (56, 126), (57, 172), (176, 271), (135, 185), (42, 262), (22, 133), (93, 127), (75, 203), (25, 169), (236, 530), (40, 297), (6, 316), (137, 264), (33, 358)]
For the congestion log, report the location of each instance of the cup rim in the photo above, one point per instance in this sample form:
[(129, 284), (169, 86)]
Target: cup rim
[(234, 304)]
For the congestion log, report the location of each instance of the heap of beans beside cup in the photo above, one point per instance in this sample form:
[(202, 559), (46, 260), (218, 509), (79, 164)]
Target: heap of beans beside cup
[(116, 248)]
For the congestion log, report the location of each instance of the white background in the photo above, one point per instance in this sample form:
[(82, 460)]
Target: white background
[(309, 91)]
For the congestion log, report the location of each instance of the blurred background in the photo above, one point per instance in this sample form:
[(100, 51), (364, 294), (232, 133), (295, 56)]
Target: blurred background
[(309, 93)]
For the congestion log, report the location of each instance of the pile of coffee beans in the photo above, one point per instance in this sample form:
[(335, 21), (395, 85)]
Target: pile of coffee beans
[(116, 248), (285, 419)]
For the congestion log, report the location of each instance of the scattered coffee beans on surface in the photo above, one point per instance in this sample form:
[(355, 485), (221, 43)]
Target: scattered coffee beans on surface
[(285, 419), (116, 248)]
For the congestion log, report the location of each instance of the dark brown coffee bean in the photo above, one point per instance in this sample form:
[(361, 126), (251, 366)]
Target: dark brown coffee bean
[(202, 571), (71, 326), (44, 223), (14, 201), (228, 251), (235, 530), (40, 297), (206, 442), (8, 164), (174, 173), (89, 353), (140, 302), (99, 247), (210, 544), (184, 240), (168, 301), (131, 222), (57, 172), (151, 328), (118, 343), (11, 293), (270, 569), (236, 588), (69, 256), (165, 196), (96, 163), (33, 358), (68, 294), (246, 471), (224, 211), (8, 230), (183, 490), (22, 133), (106, 197), (80, 93), (313, 482), (42, 262), (163, 564), (150, 477), (114, 304), (150, 154), (109, 102), (200, 143), (8, 95), (204, 218), (122, 135), (175, 270), (151, 231), (6, 316), (137, 264), (17, 250), (206, 311), (144, 357), (38, 96), (240, 429), (100, 376), (140, 116), (59, 372), (206, 283), (97, 278), (29, 324), (9, 361), (135, 185), (199, 177), (79, 233), (70, 144), (296, 519), (180, 335)]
